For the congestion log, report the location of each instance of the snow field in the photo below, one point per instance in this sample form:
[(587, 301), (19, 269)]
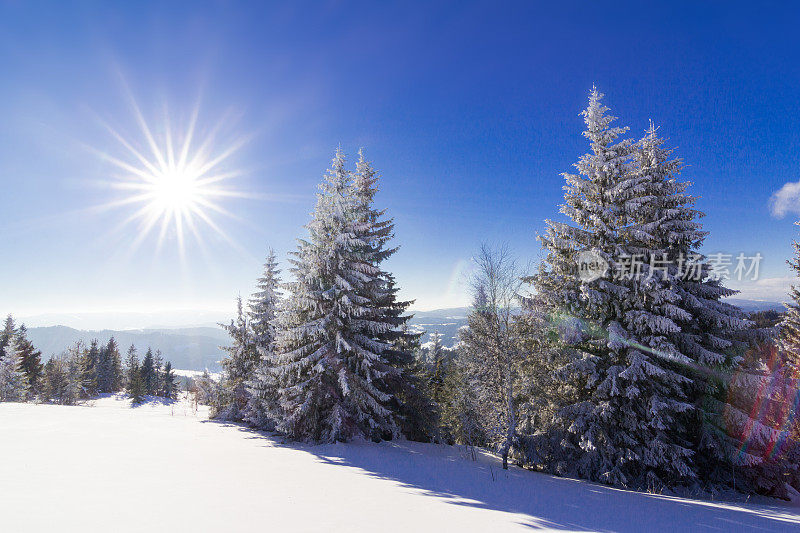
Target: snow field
[(159, 467)]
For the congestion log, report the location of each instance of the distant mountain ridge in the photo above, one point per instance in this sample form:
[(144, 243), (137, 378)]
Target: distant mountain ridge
[(198, 347), (753, 306), (448, 321), (444, 321), (193, 348)]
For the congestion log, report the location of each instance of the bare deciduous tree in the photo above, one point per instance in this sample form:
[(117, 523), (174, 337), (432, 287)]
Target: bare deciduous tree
[(493, 343)]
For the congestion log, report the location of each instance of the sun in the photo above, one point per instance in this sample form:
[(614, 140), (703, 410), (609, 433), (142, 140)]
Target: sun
[(176, 190), (176, 183)]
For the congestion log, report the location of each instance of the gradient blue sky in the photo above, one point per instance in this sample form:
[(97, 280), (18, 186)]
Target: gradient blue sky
[(469, 110)]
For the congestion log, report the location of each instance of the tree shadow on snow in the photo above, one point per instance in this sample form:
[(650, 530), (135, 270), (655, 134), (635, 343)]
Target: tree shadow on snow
[(123, 397), (157, 400), (546, 502)]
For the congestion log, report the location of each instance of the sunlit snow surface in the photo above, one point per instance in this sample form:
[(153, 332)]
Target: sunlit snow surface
[(164, 467)]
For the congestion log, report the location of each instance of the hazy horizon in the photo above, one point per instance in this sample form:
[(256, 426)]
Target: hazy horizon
[(107, 319)]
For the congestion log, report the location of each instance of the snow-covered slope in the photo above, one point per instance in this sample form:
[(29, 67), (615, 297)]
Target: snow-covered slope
[(163, 467)]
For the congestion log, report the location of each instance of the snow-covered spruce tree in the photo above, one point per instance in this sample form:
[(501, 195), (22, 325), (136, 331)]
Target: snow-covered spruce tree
[(626, 397), (148, 373), (74, 386), (13, 381), (110, 377), (759, 415), (62, 381), (765, 450), (435, 351), (376, 232), (262, 404), (134, 383), (790, 326), (338, 337), (53, 380), (706, 337), (435, 365), (206, 391), (158, 373), (89, 366), (439, 364), (30, 360), (8, 333), (414, 410), (461, 416), (420, 418), (169, 389), (238, 368)]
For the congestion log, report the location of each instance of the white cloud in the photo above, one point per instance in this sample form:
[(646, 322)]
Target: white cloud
[(765, 289), (786, 200)]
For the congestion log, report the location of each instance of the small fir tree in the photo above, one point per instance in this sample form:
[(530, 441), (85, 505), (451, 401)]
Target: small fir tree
[(149, 374), (7, 334), (30, 361), (158, 374), (169, 386), (135, 385), (90, 366), (13, 381), (238, 368)]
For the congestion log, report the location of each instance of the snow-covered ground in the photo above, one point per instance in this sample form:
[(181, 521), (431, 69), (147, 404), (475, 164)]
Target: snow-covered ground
[(164, 467)]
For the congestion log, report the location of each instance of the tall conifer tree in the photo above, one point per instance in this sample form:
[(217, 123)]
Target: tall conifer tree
[(337, 362), (645, 336), (264, 305), (607, 412)]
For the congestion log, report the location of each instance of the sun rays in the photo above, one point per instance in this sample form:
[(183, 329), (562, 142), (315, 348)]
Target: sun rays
[(174, 180)]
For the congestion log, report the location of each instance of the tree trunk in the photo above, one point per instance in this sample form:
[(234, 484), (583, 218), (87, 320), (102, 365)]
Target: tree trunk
[(512, 413)]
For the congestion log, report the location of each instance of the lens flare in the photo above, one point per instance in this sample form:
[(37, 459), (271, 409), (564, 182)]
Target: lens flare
[(176, 183), (761, 406), (772, 409)]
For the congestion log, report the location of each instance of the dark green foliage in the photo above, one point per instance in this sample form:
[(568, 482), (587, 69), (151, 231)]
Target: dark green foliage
[(109, 369), (239, 367), (438, 365), (30, 361), (62, 379), (418, 414), (158, 379), (90, 362), (460, 407), (149, 374), (135, 385), (7, 335), (169, 387), (766, 319)]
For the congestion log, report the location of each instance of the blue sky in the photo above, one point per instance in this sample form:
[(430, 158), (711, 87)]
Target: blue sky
[(469, 110)]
